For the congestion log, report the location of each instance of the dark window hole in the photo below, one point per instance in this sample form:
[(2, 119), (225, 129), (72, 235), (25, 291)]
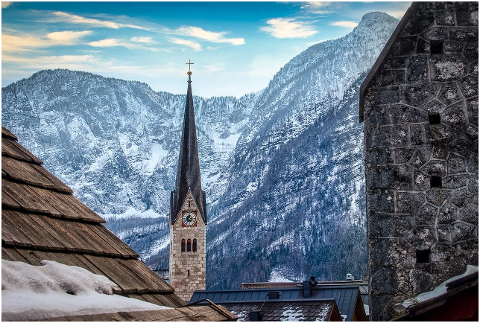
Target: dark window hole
[(435, 181), (423, 256), (434, 118), (436, 47), (194, 245)]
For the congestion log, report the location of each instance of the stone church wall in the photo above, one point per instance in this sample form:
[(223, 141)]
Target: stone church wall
[(188, 268), (421, 155)]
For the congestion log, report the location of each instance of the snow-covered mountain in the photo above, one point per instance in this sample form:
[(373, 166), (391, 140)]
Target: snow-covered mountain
[(282, 168)]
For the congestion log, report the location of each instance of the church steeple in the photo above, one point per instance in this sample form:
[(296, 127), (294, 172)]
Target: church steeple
[(188, 169), (188, 219)]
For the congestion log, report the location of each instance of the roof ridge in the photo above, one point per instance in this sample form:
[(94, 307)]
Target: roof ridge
[(12, 148), (12, 179), (6, 133), (50, 215), (79, 251)]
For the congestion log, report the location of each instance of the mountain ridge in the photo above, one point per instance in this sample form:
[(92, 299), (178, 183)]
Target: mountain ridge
[(282, 167)]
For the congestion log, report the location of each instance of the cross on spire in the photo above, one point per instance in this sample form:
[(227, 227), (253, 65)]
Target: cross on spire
[(189, 72)]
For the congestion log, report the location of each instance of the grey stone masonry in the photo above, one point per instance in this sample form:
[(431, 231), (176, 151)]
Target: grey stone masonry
[(188, 265), (419, 105)]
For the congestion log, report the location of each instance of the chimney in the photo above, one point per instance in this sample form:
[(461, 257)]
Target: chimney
[(306, 289), (255, 316)]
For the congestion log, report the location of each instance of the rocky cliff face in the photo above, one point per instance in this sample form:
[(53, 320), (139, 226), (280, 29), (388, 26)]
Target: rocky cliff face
[(282, 168)]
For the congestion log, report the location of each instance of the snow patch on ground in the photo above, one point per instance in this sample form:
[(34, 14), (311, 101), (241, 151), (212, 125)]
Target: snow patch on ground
[(132, 212), (290, 314), (157, 246), (251, 187), (226, 144), (54, 290), (158, 154), (277, 276)]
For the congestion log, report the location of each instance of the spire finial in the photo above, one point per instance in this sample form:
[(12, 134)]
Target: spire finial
[(189, 72)]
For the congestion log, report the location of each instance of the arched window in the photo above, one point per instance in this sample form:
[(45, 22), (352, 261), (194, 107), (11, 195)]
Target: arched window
[(183, 245), (189, 245), (194, 245)]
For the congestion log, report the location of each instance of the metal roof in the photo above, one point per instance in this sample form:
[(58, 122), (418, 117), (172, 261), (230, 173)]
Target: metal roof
[(345, 296)]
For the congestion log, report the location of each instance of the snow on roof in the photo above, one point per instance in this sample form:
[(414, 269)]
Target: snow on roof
[(439, 290), (55, 290)]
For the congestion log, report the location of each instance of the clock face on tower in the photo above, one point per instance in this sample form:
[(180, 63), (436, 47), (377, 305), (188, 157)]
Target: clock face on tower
[(189, 219)]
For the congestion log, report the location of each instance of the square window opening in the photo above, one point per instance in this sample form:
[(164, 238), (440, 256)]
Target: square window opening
[(436, 47), (423, 256), (434, 118), (273, 295), (435, 181)]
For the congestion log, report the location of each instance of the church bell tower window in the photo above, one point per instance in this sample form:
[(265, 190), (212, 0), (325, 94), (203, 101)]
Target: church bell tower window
[(183, 245), (189, 245), (194, 245)]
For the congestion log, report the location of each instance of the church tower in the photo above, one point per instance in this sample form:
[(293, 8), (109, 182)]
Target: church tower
[(188, 218)]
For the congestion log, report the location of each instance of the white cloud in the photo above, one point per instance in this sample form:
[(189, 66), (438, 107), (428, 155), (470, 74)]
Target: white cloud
[(316, 4), (146, 40), (74, 62), (113, 42), (75, 19), (67, 37), (317, 7), (214, 68), (345, 24), (214, 37), (396, 13), (288, 28), (11, 43), (195, 46), (108, 42)]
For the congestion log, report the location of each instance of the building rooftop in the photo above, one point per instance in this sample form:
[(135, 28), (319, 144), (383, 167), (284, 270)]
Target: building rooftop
[(42, 220), (346, 296), (291, 310)]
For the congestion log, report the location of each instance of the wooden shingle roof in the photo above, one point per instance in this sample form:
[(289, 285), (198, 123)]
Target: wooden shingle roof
[(183, 314), (42, 220)]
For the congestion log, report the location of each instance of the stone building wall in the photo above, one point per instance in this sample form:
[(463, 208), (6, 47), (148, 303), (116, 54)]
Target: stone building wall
[(188, 268), (420, 112)]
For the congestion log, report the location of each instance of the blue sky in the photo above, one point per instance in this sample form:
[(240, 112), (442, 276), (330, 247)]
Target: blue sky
[(236, 47)]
